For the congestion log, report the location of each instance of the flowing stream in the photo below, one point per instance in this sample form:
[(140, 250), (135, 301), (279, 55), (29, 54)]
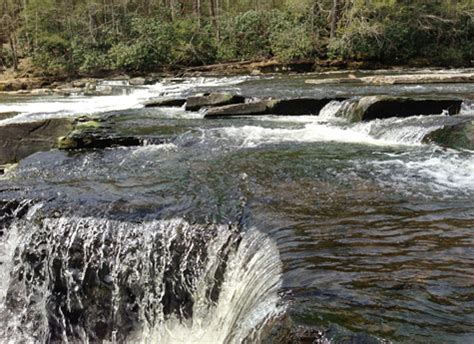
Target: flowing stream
[(233, 226)]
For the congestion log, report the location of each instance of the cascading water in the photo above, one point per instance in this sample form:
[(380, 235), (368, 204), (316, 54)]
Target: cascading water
[(96, 280)]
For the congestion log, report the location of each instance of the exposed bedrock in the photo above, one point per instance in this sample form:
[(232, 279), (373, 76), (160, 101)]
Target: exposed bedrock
[(379, 107), (198, 102), (289, 107), (94, 134), (19, 140)]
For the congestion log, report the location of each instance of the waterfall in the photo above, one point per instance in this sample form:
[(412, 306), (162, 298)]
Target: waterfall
[(76, 279)]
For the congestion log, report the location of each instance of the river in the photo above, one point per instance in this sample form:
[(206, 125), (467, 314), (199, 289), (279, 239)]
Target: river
[(358, 230)]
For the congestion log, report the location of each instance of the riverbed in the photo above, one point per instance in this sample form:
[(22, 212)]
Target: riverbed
[(358, 230)]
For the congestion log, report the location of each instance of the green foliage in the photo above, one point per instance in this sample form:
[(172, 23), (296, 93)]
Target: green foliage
[(247, 35), (89, 36), (6, 58), (401, 34), (292, 38), (53, 53)]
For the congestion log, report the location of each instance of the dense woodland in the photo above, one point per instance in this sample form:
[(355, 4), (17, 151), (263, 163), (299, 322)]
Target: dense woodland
[(91, 36)]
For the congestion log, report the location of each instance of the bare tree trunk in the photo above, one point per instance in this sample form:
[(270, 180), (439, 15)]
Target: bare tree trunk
[(334, 17), (197, 11), (14, 52), (215, 20)]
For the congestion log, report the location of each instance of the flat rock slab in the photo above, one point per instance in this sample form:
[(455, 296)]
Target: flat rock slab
[(283, 107), (407, 79), (198, 102), (19, 140), (248, 109), (164, 102)]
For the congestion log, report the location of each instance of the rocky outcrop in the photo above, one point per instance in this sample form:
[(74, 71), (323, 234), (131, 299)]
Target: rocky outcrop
[(379, 107), (19, 140), (286, 107), (198, 102), (458, 135), (255, 108), (164, 102), (94, 134), (407, 79)]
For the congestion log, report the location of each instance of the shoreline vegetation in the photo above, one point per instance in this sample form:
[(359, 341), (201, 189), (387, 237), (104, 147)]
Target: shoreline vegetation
[(45, 41)]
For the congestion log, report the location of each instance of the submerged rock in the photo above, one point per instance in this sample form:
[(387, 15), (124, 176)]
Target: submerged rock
[(458, 136), (19, 140), (379, 107), (195, 103), (165, 102)]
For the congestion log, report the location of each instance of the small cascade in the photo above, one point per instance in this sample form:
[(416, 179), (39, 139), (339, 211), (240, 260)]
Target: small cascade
[(467, 107), (411, 130), (95, 280)]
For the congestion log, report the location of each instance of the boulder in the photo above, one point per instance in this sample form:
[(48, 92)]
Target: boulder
[(247, 109), (457, 136), (379, 107), (197, 102), (19, 140), (165, 102)]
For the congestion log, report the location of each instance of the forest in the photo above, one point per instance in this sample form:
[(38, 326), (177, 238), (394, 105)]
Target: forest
[(91, 36)]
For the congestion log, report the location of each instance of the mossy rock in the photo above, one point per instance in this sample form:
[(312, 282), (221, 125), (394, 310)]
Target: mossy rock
[(457, 136)]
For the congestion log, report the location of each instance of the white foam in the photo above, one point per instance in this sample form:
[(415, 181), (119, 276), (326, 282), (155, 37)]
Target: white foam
[(441, 173), (53, 106)]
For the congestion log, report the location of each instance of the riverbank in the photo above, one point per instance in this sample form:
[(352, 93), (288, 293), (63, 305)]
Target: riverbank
[(30, 81)]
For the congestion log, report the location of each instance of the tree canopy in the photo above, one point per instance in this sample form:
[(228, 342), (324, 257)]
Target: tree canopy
[(87, 36)]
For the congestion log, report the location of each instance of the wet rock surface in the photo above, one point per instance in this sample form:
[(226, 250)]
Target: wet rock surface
[(299, 106), (456, 135), (379, 107), (19, 140), (285, 107), (89, 133), (255, 108), (11, 210), (197, 102), (164, 102)]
